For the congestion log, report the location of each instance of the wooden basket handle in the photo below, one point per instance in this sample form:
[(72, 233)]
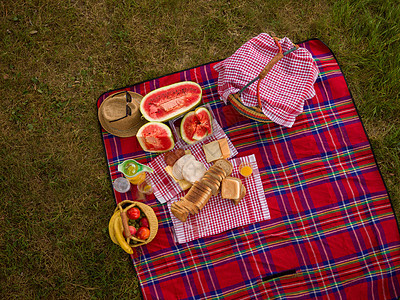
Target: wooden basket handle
[(268, 68), (273, 61)]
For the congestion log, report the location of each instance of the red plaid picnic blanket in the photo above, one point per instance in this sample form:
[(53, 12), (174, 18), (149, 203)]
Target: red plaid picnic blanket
[(332, 232), (220, 215), (165, 188), (284, 89)]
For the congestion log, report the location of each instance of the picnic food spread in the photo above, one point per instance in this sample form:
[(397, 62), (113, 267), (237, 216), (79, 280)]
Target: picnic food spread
[(203, 188)]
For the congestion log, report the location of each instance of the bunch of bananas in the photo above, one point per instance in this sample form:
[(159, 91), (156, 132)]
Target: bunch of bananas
[(115, 229)]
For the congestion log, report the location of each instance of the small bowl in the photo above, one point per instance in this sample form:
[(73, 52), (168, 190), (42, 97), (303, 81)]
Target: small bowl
[(245, 169)]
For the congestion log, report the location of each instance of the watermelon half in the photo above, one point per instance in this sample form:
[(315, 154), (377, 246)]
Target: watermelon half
[(170, 101), (155, 137), (196, 125)]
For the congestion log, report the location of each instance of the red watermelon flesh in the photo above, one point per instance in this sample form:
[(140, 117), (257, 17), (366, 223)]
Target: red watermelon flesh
[(155, 137), (170, 101), (188, 127), (196, 125), (204, 126)]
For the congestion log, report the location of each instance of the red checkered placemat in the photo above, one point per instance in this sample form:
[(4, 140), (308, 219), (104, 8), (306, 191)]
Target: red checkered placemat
[(219, 214), (285, 88), (165, 188)]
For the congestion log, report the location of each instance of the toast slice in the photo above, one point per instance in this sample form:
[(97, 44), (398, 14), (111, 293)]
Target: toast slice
[(219, 175), (207, 191), (202, 197), (177, 205), (226, 165), (193, 197), (231, 188), (218, 170)]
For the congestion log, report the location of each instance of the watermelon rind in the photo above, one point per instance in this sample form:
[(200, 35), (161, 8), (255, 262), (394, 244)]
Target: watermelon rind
[(139, 136), (175, 113)]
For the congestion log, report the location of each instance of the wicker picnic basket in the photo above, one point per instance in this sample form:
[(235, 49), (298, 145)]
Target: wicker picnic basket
[(150, 215), (255, 112)]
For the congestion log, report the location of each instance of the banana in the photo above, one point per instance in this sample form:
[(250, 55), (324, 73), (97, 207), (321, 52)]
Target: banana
[(119, 236), (111, 230)]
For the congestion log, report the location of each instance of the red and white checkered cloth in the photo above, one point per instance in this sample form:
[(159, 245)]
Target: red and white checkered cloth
[(284, 89), (220, 214), (165, 188)]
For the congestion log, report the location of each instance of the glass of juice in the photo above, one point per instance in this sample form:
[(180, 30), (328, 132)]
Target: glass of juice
[(245, 169), (145, 187)]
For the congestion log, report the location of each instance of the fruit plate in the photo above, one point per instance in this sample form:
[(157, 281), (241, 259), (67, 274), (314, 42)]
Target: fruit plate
[(175, 125)]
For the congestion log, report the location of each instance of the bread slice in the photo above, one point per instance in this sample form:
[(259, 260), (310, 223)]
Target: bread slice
[(218, 170), (223, 145), (206, 190), (201, 197), (177, 205), (178, 213), (193, 197), (231, 188), (212, 151), (193, 209), (226, 165), (202, 187), (212, 182), (205, 201), (215, 173)]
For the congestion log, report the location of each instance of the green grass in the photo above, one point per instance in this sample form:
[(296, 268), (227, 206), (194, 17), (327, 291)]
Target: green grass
[(57, 57)]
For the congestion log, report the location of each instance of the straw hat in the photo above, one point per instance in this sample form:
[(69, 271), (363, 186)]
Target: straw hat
[(113, 110)]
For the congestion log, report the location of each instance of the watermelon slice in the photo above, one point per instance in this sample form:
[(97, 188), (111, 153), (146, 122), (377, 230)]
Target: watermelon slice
[(196, 125), (155, 137), (170, 101)]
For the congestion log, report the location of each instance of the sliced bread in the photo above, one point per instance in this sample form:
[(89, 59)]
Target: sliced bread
[(226, 165), (231, 188)]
